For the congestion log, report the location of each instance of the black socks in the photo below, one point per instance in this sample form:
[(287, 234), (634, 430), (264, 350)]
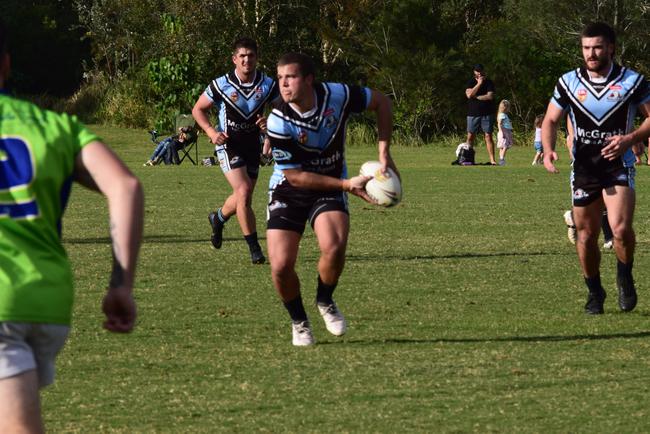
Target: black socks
[(324, 292), (296, 310)]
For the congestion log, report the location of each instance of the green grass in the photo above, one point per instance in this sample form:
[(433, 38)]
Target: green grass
[(464, 306)]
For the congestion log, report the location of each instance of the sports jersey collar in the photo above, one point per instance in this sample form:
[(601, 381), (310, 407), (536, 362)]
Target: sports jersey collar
[(309, 113), (600, 79), (247, 84)]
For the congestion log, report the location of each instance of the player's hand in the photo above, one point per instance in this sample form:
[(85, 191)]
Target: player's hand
[(615, 146), (357, 186), (217, 137), (119, 308), (387, 162), (261, 123), (549, 160), (480, 79)]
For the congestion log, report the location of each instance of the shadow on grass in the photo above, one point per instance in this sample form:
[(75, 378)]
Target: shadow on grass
[(468, 255), (568, 338), (152, 239)]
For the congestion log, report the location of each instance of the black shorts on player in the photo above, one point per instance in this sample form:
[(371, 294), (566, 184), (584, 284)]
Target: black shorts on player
[(287, 214), (233, 157), (587, 188)]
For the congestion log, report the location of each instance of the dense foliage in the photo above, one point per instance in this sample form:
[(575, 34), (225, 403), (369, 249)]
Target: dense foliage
[(151, 58)]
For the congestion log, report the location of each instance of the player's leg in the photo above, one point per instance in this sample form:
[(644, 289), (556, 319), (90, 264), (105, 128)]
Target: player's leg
[(608, 236), (283, 251), (331, 229), (587, 222), (20, 411), (620, 202)]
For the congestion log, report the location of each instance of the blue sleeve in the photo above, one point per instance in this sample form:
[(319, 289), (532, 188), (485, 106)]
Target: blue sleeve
[(284, 151), (560, 97)]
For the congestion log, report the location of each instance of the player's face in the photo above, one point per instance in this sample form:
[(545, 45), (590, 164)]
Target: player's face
[(598, 53), (293, 86), (245, 61)]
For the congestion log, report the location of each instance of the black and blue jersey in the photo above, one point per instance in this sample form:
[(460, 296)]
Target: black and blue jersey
[(239, 105), (600, 109), (313, 141)]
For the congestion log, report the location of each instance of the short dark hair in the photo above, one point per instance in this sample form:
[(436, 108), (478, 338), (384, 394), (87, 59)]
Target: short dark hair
[(478, 68), (244, 42), (305, 63), (593, 30), (3, 38)]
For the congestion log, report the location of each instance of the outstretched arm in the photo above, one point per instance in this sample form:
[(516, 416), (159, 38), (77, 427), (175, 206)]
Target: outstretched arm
[(98, 168)]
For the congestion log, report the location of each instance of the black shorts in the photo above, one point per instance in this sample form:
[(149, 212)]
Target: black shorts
[(586, 188), (283, 213), (233, 157)]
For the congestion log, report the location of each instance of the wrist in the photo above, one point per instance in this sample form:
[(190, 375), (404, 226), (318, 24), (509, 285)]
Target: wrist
[(345, 185)]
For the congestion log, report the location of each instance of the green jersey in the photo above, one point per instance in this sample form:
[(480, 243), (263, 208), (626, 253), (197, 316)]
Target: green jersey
[(37, 155)]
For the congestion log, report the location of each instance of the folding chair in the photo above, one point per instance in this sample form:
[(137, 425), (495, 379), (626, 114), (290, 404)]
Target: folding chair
[(192, 142)]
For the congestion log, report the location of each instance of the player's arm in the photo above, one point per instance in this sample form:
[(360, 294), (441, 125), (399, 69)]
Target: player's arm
[(382, 106), (314, 181), (617, 145), (554, 115), (98, 168), (201, 114)]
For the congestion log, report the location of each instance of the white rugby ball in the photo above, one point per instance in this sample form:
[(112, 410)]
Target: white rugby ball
[(386, 190)]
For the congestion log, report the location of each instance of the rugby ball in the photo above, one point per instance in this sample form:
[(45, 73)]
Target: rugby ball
[(386, 190)]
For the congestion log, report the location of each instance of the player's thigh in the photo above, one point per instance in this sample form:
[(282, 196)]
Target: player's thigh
[(620, 202), (20, 409), (587, 218), (282, 246), (332, 229), (238, 179)]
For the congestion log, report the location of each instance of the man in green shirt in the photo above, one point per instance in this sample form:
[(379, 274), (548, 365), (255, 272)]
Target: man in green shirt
[(41, 153)]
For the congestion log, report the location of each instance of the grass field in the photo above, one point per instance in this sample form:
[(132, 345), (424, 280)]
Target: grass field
[(464, 306)]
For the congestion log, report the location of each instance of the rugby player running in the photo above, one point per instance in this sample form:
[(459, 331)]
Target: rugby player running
[(307, 132), (240, 97), (601, 99)]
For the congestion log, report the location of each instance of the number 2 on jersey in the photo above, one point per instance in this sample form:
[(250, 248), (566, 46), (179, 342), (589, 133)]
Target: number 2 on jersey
[(17, 199)]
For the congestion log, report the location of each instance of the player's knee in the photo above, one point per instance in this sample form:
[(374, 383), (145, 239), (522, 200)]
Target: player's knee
[(244, 194), (588, 235), (333, 251), (281, 268), (622, 232)]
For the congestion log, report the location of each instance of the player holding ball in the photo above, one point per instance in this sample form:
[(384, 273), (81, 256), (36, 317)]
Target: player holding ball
[(307, 132)]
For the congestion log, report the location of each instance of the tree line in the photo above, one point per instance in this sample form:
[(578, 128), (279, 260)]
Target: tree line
[(138, 62)]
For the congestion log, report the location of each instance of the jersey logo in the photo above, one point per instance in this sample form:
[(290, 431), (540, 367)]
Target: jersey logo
[(17, 172), (234, 97), (281, 155), (581, 94), (302, 137)]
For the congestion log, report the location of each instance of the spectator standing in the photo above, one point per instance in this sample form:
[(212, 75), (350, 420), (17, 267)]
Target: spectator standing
[(480, 109), (504, 136), (538, 140)]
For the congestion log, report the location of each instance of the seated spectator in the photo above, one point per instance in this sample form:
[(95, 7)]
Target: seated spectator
[(167, 148)]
